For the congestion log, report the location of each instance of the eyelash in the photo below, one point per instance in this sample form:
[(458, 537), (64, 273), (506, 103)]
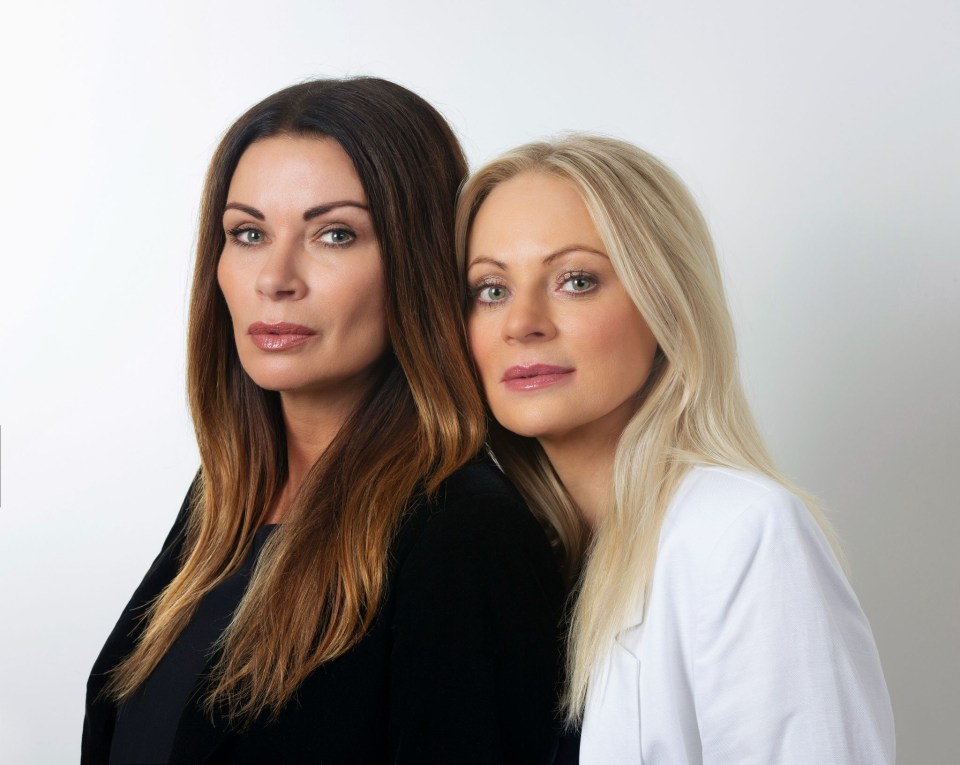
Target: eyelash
[(338, 229), (235, 235), (583, 275), (567, 276), (482, 285)]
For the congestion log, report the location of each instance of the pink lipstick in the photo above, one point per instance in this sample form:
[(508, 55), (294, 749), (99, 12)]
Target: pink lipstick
[(280, 336), (535, 376)]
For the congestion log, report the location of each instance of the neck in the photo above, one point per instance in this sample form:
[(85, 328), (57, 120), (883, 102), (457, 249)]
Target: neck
[(585, 467), (310, 427), (583, 459)]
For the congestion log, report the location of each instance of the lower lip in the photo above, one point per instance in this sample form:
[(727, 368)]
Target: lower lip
[(537, 381), (278, 342)]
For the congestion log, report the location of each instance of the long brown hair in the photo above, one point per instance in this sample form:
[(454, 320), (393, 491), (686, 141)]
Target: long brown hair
[(321, 576)]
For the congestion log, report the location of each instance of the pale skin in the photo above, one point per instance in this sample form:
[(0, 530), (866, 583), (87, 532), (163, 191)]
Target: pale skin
[(301, 268), (544, 292)]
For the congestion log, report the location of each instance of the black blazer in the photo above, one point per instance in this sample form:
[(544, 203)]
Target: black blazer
[(461, 664)]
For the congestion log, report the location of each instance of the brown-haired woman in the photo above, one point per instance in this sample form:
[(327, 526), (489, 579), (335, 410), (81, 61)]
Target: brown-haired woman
[(345, 582)]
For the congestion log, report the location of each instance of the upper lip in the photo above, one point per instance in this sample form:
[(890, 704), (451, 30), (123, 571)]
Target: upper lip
[(533, 370), (280, 328)]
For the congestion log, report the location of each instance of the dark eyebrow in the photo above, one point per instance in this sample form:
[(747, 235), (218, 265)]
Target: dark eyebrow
[(251, 211), (547, 260), (313, 212)]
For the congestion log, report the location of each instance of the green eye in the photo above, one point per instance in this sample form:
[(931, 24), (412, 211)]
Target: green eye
[(246, 237), (578, 283), (337, 237), (492, 293)]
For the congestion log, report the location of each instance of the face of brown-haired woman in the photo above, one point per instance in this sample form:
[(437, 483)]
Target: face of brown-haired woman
[(301, 270)]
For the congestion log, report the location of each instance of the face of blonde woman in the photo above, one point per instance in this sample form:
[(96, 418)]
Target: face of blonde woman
[(561, 349), (301, 270)]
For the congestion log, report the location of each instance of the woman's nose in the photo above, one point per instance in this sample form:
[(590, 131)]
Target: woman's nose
[(528, 319), (279, 277)]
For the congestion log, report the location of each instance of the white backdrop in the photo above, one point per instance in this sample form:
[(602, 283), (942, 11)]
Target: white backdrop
[(821, 137)]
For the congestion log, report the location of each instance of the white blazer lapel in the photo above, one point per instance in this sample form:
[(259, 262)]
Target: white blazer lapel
[(611, 724)]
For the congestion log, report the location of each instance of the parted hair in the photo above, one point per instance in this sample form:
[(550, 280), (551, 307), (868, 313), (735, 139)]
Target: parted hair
[(692, 408), (321, 576)]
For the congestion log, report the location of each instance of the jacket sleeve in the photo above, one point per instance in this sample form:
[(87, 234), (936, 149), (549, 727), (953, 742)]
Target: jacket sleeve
[(475, 659), (786, 670)]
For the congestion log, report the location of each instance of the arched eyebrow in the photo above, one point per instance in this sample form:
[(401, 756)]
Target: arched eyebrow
[(313, 212), (253, 212), (547, 260)]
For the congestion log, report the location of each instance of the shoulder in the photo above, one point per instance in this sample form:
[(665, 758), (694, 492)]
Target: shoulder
[(100, 711), (479, 478), (734, 541), (746, 570), (719, 494), (478, 498), (716, 507), (732, 531), (475, 515)]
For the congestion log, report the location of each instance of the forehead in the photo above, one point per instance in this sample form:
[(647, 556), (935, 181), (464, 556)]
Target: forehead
[(533, 213), (297, 170)]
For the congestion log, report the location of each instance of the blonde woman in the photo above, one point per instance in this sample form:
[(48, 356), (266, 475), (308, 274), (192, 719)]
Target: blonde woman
[(713, 622)]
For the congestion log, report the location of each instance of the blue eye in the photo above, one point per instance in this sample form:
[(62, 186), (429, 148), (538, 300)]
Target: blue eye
[(337, 237), (490, 293)]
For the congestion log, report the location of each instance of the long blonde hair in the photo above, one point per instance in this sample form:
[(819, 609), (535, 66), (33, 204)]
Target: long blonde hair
[(692, 409), (322, 575)]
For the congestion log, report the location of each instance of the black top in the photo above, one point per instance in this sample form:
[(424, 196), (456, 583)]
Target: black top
[(460, 665), (568, 752), (147, 721)]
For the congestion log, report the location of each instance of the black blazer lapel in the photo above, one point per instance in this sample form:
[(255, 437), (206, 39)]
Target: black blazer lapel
[(200, 735), (100, 714)]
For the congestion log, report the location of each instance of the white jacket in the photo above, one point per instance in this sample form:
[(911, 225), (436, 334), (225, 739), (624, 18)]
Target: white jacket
[(752, 648)]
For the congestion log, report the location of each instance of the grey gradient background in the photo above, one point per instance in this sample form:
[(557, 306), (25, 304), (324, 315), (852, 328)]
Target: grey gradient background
[(821, 138)]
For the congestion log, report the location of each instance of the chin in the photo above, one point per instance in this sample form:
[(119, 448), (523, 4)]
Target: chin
[(280, 381), (276, 386), (528, 427)]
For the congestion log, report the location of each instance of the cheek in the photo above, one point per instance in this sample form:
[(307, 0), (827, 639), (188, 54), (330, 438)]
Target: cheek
[(226, 280), (478, 337), (363, 300), (622, 346), (636, 356)]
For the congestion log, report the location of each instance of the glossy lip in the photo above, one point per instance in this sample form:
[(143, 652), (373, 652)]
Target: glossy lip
[(535, 376), (280, 336)]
